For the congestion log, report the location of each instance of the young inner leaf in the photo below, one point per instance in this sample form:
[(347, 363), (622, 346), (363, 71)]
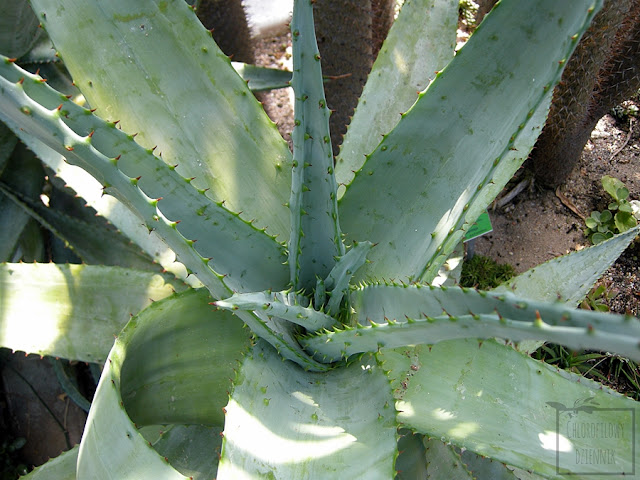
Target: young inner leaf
[(315, 231)]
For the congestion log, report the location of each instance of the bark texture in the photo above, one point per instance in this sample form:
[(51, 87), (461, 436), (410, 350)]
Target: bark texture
[(350, 34), (603, 71), (228, 22)]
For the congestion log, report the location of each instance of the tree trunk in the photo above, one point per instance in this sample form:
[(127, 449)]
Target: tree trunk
[(601, 73), (350, 34), (343, 31), (228, 22), (382, 18)]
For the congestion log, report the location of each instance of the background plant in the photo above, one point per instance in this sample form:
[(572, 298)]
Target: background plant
[(405, 352), (621, 214)]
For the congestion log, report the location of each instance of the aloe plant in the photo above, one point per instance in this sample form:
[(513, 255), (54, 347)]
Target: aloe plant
[(355, 363)]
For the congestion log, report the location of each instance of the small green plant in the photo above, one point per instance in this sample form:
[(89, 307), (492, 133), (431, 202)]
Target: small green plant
[(484, 273), (618, 373), (468, 10), (621, 214), (598, 297)]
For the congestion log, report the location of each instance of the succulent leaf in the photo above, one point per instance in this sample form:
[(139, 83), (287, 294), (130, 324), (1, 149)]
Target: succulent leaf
[(107, 206), (143, 383), (8, 142), (190, 448), (90, 239), (49, 123), (202, 116), (23, 172), (337, 282), (136, 177), (485, 467), (62, 467), (332, 419), (569, 278), (433, 151), (411, 463), (284, 305), (462, 402), (443, 462), (73, 311), (261, 78), (315, 239), (18, 28), (391, 316), (404, 67), (415, 196)]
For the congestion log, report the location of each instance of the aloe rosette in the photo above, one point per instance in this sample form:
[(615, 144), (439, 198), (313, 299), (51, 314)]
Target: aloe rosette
[(354, 363)]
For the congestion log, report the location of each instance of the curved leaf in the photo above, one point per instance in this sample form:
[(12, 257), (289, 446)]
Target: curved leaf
[(452, 151), (63, 467), (451, 392), (390, 316), (171, 364), (72, 311), (177, 89), (140, 180), (404, 67), (289, 423), (570, 277)]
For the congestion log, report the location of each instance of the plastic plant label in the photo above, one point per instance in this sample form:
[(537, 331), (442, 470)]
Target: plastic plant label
[(481, 227)]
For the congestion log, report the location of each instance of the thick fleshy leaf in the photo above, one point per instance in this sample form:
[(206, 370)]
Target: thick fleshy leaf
[(72, 311), (404, 67), (446, 462), (190, 448), (262, 268), (18, 28), (178, 90), (284, 305), (462, 140), (63, 467), (7, 143), (289, 423), (443, 462), (23, 172), (140, 180), (89, 236), (411, 463), (315, 239), (171, 364), (497, 402), (390, 316), (261, 78), (110, 208), (485, 467), (569, 278)]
